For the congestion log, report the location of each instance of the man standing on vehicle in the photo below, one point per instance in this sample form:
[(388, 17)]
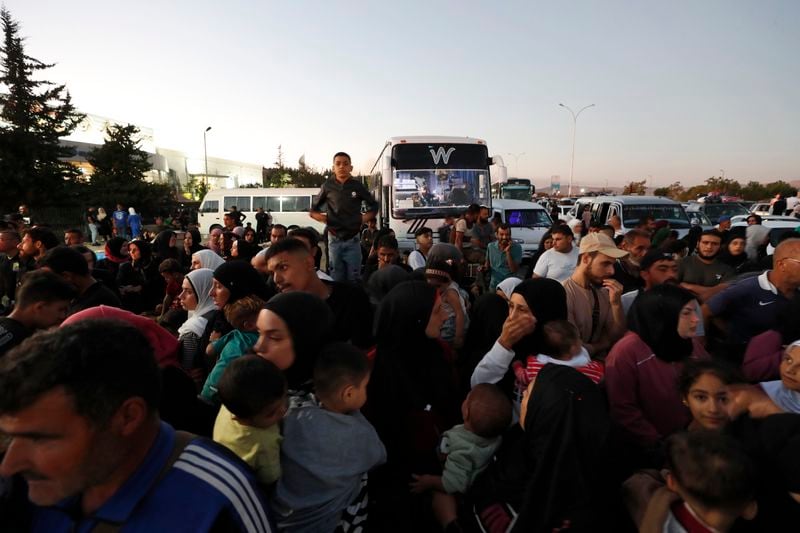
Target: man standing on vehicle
[(343, 197), (263, 221), (121, 221)]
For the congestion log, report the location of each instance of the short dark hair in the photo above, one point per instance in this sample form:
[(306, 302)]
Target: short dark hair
[(712, 468), (43, 235), (504, 225), (758, 218), (65, 259), (9, 231), (289, 245), (306, 233), (250, 384), (693, 369), (342, 154), (279, 226), (634, 234), (99, 363), (559, 337), (338, 365), (43, 286), (712, 232), (74, 230), (473, 208), (490, 410), (388, 241), (563, 229), (421, 231), (170, 265), (81, 249)]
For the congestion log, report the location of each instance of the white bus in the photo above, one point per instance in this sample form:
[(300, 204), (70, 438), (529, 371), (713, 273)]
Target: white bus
[(419, 180), (288, 206)]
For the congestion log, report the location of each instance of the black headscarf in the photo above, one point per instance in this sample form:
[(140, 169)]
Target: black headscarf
[(241, 279), (310, 322), (734, 261), (547, 300), (161, 248), (145, 251), (553, 471), (654, 317), (113, 250), (486, 319), (384, 280), (197, 241)]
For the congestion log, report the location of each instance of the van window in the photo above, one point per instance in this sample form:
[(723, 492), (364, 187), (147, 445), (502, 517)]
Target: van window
[(242, 203), (210, 206), (528, 218), (296, 203), (674, 214)]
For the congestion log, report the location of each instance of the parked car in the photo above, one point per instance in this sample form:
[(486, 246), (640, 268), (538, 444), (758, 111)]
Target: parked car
[(760, 208), (716, 210)]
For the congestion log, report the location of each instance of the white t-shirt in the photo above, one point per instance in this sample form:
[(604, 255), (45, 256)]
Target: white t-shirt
[(416, 260), (556, 265)]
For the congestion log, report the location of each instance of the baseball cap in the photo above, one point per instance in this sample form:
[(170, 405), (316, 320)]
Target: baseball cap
[(654, 256), (600, 242), (724, 218)]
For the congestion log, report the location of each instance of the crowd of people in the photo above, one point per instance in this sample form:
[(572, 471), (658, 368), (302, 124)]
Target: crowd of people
[(622, 382)]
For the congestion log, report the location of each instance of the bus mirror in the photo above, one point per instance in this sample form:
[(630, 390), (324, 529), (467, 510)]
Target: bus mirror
[(482, 182)]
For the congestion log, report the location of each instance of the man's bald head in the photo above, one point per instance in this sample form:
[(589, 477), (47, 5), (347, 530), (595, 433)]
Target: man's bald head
[(787, 248)]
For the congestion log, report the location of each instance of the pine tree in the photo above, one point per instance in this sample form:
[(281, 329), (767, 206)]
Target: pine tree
[(120, 166), (35, 114)]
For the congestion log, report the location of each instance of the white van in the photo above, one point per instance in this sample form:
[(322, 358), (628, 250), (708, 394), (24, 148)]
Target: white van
[(288, 206), (528, 220), (631, 209)]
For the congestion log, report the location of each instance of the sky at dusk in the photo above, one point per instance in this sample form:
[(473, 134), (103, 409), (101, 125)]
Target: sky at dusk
[(682, 89)]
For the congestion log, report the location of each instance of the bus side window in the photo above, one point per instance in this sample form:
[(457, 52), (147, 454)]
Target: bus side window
[(295, 203)]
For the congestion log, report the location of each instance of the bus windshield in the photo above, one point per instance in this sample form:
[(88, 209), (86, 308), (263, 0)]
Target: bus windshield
[(515, 192), (431, 180), (674, 214)]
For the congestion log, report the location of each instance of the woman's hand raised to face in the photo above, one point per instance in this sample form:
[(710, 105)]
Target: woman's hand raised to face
[(516, 326)]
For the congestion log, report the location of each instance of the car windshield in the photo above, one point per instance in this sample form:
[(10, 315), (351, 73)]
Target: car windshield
[(674, 214), (714, 211), (528, 218)]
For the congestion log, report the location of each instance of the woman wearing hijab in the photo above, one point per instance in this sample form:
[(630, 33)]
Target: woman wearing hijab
[(191, 245), (383, 281), (178, 395), (206, 259), (412, 397), (141, 287), (506, 287), (245, 248), (734, 253), (486, 318), (135, 223), (642, 367), (215, 241), (232, 281), (116, 253), (164, 246), (549, 472), (757, 239), (195, 297), (285, 338), (533, 303), (104, 224)]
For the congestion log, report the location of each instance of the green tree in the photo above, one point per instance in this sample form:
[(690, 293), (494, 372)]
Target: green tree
[(674, 191), (725, 186), (753, 190), (120, 167), (35, 114), (635, 187)]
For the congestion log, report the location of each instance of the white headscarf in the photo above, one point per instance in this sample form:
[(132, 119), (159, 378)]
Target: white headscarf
[(201, 280), (572, 224), (784, 397), (508, 285), (756, 235), (131, 211), (208, 259)]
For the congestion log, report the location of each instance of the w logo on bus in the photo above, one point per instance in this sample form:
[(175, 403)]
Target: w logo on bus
[(441, 154)]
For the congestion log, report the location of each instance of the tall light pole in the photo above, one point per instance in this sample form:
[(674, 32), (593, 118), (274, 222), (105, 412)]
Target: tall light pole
[(516, 161), (205, 152), (574, 127), (722, 171)]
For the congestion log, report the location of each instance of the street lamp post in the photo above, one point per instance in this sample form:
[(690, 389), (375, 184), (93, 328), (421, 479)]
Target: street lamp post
[(574, 127), (205, 152), (516, 161)]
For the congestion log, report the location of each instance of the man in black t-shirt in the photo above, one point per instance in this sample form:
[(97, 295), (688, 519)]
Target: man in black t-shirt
[(73, 268), (292, 266), (703, 273), (42, 302)]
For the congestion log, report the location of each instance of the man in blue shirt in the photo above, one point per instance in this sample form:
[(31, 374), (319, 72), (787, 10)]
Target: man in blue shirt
[(502, 256), (80, 406), (120, 217)]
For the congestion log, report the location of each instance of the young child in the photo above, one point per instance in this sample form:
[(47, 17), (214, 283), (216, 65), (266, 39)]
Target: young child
[(710, 484), (468, 449), (253, 394), (564, 347), (328, 447), (440, 275), (704, 386), (242, 315)]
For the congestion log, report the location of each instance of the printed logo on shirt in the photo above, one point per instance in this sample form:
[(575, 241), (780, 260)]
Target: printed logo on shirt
[(353, 194), (765, 303)]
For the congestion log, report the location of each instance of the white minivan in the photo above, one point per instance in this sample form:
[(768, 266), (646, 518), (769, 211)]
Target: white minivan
[(528, 220)]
